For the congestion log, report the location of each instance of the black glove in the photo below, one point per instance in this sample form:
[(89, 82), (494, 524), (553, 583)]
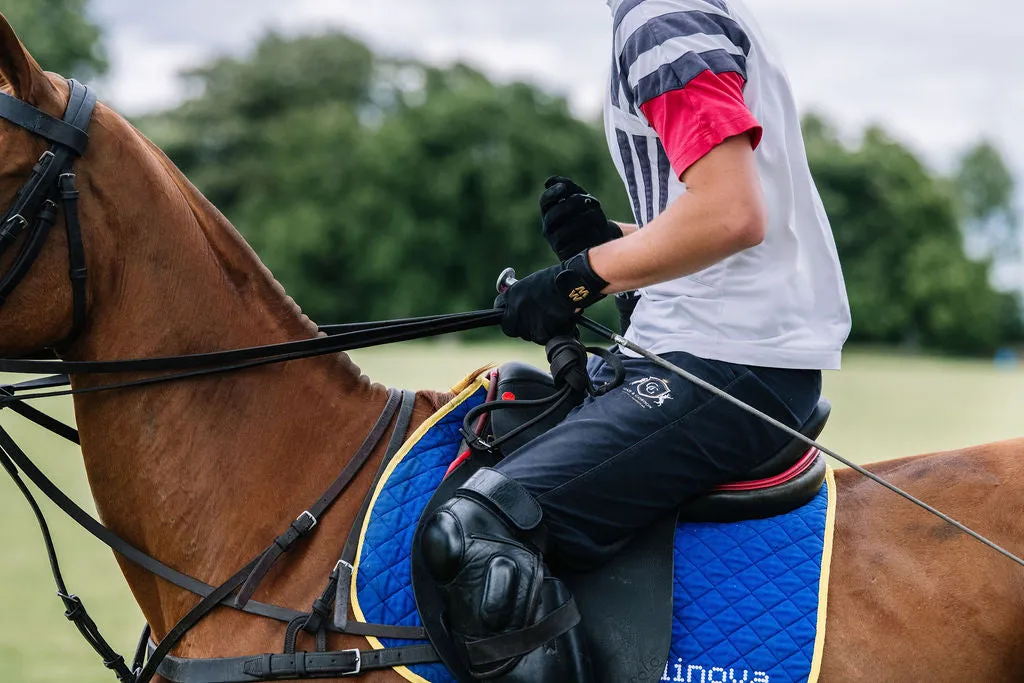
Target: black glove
[(572, 220), (543, 305)]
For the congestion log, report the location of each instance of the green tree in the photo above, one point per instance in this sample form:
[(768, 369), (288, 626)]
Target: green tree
[(59, 34), (376, 187), (985, 188), (897, 229)]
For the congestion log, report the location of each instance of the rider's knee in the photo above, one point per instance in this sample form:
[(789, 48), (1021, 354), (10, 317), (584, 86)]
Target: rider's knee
[(483, 548)]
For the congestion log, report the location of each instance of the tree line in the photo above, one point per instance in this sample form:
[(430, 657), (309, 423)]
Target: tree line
[(377, 187)]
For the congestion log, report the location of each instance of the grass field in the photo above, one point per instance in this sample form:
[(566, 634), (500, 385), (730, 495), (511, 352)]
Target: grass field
[(884, 406)]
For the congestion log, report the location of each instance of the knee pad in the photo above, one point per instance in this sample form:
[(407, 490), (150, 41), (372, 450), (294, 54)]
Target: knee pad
[(481, 548)]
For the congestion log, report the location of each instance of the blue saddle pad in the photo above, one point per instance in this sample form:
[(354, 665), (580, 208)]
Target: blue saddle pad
[(746, 595)]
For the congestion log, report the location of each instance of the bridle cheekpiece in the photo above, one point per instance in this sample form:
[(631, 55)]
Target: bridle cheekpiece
[(52, 180)]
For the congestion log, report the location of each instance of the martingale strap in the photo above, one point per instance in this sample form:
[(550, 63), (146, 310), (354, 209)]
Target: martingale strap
[(14, 459), (292, 664), (309, 517), (302, 526)]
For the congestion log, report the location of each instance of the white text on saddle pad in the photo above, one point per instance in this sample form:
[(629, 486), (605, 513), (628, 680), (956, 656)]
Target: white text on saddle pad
[(683, 673)]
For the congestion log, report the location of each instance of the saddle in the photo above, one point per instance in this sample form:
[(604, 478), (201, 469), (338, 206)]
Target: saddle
[(626, 605)]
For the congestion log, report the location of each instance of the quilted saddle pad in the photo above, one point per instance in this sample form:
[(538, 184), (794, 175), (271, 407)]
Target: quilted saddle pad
[(749, 598)]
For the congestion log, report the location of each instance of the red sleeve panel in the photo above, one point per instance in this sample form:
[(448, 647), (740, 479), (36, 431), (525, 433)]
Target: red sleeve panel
[(697, 118)]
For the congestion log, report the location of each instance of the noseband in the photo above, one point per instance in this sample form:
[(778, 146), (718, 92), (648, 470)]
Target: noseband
[(52, 181)]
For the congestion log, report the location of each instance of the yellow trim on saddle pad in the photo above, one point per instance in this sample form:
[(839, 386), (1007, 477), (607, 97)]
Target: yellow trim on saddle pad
[(465, 389), (826, 564)]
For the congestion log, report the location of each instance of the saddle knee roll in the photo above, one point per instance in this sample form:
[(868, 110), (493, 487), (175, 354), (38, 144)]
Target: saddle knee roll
[(511, 620)]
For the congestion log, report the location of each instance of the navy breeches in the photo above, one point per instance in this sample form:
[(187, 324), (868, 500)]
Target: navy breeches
[(621, 461)]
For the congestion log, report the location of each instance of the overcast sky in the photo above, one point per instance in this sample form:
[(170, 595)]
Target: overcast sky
[(940, 74)]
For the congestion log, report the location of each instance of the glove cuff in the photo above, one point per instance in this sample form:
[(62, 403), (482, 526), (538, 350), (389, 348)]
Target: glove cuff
[(578, 281), (616, 230)]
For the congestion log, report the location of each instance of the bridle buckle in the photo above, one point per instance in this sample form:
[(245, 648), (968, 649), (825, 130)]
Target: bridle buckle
[(312, 519), (13, 227), (359, 662)]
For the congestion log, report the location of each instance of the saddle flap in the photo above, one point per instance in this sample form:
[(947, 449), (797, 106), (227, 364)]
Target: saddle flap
[(626, 605)]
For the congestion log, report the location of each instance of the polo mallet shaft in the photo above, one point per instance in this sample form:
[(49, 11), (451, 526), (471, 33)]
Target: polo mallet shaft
[(508, 278)]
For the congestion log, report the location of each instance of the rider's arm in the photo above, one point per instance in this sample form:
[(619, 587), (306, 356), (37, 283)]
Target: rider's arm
[(721, 214)]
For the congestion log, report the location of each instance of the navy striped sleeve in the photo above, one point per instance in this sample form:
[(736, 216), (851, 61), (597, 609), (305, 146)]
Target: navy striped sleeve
[(668, 51)]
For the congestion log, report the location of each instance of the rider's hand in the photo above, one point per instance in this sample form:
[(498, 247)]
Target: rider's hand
[(572, 220), (544, 305)]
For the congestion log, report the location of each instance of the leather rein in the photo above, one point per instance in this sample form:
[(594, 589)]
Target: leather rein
[(35, 208)]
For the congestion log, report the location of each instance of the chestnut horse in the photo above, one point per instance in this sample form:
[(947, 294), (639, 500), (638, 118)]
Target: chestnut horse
[(203, 474)]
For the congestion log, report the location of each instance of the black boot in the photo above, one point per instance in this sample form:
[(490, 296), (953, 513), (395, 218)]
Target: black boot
[(512, 621)]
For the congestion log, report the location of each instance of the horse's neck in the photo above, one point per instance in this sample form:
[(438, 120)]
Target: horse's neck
[(201, 473)]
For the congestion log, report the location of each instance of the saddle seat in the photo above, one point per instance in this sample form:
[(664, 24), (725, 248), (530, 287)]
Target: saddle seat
[(788, 480)]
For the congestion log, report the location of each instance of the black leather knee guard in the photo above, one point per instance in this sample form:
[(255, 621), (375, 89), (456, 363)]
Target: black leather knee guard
[(511, 620)]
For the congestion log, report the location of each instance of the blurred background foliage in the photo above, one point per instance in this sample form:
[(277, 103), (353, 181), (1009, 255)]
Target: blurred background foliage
[(378, 187), (59, 34)]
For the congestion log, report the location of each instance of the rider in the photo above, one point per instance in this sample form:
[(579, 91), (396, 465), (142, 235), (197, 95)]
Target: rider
[(740, 284)]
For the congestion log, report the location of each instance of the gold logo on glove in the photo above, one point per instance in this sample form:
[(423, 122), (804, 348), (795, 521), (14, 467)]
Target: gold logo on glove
[(579, 295)]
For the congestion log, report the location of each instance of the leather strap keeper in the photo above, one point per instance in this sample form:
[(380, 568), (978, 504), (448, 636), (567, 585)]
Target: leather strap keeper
[(506, 496)]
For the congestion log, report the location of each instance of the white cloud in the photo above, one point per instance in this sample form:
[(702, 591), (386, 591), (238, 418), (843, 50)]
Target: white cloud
[(144, 75), (940, 75)]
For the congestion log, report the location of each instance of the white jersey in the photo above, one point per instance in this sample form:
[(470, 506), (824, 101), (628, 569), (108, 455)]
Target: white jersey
[(781, 304)]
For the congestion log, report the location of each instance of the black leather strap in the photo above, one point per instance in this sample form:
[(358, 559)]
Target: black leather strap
[(506, 495), (302, 526), (44, 220), (223, 361), (270, 667), (40, 418), (36, 198), (305, 522), (114, 542), (516, 644), (193, 617), (77, 270), (345, 567), (42, 124), (15, 459)]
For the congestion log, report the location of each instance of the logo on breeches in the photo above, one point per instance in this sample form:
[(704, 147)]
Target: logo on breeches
[(650, 390)]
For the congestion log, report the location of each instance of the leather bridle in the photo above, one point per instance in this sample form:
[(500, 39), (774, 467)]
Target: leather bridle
[(52, 180), (51, 184)]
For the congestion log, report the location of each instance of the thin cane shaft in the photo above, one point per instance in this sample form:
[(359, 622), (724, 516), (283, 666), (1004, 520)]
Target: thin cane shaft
[(603, 331)]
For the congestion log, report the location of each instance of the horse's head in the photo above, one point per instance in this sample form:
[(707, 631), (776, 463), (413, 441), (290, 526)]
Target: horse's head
[(37, 312)]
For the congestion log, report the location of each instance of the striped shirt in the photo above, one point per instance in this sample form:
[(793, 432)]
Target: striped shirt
[(685, 76)]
